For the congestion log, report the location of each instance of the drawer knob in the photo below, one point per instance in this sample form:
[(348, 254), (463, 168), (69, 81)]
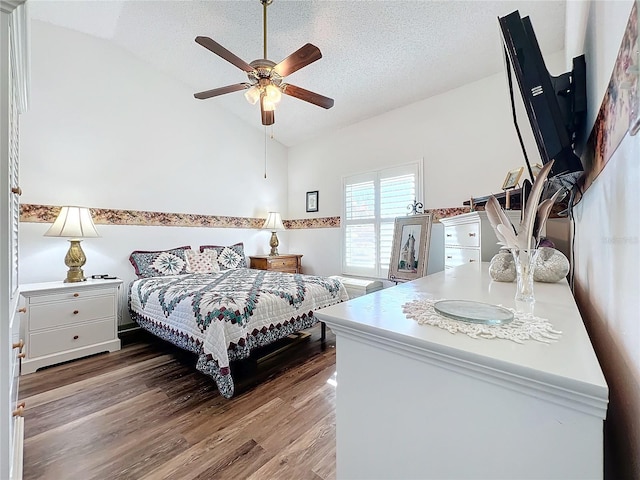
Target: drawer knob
[(22, 310), (75, 337), (471, 260), (449, 256), (18, 344), (19, 412), (449, 235), (76, 294), (21, 355), (472, 234), (75, 312)]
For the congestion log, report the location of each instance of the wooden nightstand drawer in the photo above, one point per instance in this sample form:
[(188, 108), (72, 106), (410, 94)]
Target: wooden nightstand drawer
[(68, 338), (278, 263), (283, 264), (66, 313)]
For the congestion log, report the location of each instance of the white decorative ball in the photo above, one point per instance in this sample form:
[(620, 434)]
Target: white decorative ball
[(551, 266), (502, 267)]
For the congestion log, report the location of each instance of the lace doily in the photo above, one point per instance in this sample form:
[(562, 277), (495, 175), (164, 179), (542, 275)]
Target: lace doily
[(524, 326)]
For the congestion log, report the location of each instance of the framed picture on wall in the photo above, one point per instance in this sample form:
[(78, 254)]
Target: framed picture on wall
[(410, 250), (312, 201)]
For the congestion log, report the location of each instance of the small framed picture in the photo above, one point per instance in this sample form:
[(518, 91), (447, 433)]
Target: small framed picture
[(535, 169), (512, 179), (312, 201)]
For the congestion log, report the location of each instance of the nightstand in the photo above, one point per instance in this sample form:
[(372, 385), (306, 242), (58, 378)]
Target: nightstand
[(65, 321), (277, 263)]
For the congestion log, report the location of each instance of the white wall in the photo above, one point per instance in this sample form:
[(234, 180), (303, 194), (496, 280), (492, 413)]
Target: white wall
[(607, 253), (105, 130), (466, 137)]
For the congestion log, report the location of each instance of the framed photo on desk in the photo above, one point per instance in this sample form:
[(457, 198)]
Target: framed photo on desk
[(512, 179), (410, 251)]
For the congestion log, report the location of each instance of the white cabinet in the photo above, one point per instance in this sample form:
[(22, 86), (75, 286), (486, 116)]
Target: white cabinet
[(470, 238), (415, 401), (64, 321)]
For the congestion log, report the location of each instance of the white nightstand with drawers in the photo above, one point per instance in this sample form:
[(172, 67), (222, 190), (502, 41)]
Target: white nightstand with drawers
[(65, 321), (470, 238)]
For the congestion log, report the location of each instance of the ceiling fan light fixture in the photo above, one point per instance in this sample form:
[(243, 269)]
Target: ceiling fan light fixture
[(252, 95), (266, 77), (273, 93), (267, 104)]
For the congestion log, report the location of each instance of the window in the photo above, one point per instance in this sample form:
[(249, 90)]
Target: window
[(371, 202)]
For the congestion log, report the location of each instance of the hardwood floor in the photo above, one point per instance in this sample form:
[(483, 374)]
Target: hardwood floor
[(146, 413)]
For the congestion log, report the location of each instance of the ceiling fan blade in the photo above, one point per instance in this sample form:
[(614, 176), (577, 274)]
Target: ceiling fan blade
[(268, 117), (219, 50), (221, 91), (306, 95), (300, 58)]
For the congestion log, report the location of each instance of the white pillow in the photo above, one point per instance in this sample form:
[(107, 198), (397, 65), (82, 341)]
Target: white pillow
[(202, 262)]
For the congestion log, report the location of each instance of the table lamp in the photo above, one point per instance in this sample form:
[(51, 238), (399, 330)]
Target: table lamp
[(273, 223), (75, 223)]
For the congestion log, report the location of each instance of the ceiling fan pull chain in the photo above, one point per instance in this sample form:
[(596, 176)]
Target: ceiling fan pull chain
[(265, 151)]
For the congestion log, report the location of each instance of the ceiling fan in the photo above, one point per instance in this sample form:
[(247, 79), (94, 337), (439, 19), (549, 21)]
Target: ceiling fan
[(266, 77)]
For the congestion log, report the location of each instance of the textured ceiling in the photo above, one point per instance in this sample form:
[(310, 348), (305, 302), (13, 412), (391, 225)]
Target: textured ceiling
[(377, 55)]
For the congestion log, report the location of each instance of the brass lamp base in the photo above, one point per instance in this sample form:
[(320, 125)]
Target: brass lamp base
[(273, 243), (75, 259)]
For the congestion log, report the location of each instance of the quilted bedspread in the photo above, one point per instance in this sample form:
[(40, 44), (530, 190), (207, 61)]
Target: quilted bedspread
[(223, 316)]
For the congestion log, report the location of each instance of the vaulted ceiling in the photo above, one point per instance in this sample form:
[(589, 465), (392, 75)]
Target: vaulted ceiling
[(377, 55)]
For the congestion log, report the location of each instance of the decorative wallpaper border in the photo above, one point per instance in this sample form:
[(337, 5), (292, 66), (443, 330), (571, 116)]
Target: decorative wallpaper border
[(103, 216), (302, 223), (439, 213)]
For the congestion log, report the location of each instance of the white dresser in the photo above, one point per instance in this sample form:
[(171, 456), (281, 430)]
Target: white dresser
[(64, 321), (415, 401), (470, 238)]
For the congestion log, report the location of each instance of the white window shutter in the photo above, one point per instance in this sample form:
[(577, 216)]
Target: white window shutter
[(372, 201)]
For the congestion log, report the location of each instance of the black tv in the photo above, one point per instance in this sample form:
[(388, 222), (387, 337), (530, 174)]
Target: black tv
[(556, 106)]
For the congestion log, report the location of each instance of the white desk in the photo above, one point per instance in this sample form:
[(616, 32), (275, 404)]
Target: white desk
[(419, 402)]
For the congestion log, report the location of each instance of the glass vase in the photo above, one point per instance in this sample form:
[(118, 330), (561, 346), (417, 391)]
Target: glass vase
[(525, 260)]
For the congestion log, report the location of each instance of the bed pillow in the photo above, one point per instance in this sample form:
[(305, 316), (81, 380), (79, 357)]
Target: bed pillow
[(159, 263), (229, 257), (202, 262)]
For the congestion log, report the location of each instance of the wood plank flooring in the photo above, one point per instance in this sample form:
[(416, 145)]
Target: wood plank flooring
[(146, 413)]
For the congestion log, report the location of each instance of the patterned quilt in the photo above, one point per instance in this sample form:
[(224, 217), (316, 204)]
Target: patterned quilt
[(223, 316)]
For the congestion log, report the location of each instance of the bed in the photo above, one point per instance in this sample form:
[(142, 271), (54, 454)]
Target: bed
[(222, 312)]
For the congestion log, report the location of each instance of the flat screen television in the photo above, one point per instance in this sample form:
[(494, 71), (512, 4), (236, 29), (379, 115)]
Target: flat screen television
[(556, 106)]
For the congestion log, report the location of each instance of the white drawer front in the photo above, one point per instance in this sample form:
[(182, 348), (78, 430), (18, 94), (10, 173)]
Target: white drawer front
[(460, 256), (68, 338), (465, 235), (69, 312), (71, 294)]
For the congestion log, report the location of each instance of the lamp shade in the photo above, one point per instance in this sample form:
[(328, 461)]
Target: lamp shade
[(73, 222), (273, 222)]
